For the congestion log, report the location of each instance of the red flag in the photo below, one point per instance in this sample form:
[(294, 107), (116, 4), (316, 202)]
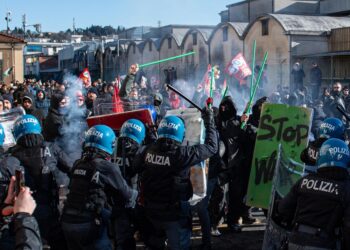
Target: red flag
[(238, 67), (206, 80), (85, 77), (117, 103)]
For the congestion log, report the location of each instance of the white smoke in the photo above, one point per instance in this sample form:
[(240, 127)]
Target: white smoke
[(75, 125)]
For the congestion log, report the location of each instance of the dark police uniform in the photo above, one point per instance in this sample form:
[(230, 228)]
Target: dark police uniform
[(166, 186), (42, 167), (95, 184), (319, 205), (123, 219)]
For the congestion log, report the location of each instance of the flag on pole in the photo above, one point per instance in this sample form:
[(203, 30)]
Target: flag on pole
[(224, 89), (8, 72), (85, 77), (117, 104), (238, 67), (206, 82)]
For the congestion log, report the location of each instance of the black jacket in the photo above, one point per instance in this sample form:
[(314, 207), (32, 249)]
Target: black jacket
[(229, 127), (330, 105), (27, 232), (165, 172), (320, 201), (54, 119), (95, 184), (35, 112)]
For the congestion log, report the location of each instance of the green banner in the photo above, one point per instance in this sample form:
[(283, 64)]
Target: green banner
[(279, 124)]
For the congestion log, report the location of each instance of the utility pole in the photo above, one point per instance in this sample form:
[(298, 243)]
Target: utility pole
[(73, 25), (24, 24), (8, 20)]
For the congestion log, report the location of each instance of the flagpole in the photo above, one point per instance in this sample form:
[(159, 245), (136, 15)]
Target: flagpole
[(255, 87), (166, 59)]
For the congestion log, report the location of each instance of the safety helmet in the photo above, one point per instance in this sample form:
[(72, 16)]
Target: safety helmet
[(101, 137), (2, 135), (172, 127), (133, 129), (24, 125), (333, 153), (332, 128), (158, 97)]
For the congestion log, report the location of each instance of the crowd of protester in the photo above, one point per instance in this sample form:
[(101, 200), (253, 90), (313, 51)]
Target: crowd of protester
[(229, 147)]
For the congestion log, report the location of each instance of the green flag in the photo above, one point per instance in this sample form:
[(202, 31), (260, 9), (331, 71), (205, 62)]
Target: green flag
[(8, 72)]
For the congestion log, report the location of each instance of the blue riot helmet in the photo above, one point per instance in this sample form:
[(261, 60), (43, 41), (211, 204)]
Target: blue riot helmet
[(25, 125), (172, 127), (332, 128), (333, 153), (133, 129), (101, 137), (2, 135)]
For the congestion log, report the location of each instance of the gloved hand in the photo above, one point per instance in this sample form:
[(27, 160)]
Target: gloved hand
[(132, 201), (207, 116)]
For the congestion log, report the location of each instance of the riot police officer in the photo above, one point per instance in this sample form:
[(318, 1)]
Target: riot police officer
[(95, 185), (40, 162), (330, 128), (319, 203), (132, 134), (165, 181)]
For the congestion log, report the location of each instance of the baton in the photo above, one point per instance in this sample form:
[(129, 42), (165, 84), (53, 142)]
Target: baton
[(341, 110), (184, 97)]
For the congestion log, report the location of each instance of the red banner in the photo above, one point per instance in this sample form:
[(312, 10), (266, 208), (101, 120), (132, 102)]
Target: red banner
[(85, 77), (238, 68)]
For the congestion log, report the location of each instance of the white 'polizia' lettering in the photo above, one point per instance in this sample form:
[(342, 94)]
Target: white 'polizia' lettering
[(133, 125), (93, 132), (79, 172), (169, 125), (318, 185), (328, 126), (27, 120), (158, 159), (119, 161)]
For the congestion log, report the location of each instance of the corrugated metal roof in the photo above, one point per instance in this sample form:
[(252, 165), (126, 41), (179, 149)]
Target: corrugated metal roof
[(179, 35), (239, 27), (310, 25), (206, 33)]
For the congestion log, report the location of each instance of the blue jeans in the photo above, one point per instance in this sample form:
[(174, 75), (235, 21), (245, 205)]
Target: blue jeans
[(203, 213)]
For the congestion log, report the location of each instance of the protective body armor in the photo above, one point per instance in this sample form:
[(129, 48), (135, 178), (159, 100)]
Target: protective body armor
[(86, 196)]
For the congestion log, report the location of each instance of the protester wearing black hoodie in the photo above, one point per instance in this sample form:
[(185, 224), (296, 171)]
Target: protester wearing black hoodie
[(29, 106), (54, 119), (234, 138)]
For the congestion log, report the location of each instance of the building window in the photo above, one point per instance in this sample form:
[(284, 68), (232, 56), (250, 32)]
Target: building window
[(194, 36), (150, 46), (134, 49), (265, 27), (225, 34), (169, 43)]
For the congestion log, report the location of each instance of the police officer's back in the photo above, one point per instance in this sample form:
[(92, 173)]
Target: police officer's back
[(95, 182), (165, 179), (319, 204)]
